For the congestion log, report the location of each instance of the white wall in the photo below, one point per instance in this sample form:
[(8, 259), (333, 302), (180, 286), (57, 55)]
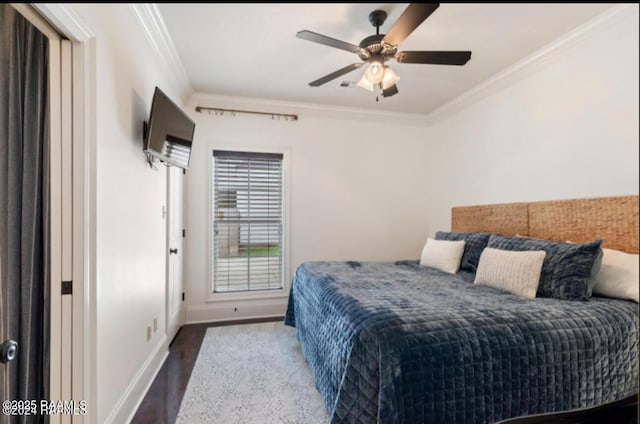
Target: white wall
[(356, 191), (130, 229), (567, 129)]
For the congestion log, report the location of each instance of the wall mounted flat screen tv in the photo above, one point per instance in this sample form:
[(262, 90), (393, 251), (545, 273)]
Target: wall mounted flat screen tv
[(169, 134)]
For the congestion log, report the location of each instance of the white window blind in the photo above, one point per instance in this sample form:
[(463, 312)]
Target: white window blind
[(247, 221)]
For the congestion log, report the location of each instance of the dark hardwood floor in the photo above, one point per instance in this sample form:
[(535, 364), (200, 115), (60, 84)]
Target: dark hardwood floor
[(162, 402)]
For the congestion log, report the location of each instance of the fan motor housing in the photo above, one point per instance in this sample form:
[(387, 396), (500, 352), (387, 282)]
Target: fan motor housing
[(372, 41), (374, 45)]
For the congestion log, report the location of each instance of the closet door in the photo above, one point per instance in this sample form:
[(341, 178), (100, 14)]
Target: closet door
[(41, 218), (64, 298), (60, 167)]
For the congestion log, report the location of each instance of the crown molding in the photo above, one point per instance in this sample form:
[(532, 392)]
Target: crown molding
[(537, 60), (304, 109), (153, 25), (66, 20)]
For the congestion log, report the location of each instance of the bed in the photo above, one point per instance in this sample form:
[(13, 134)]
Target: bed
[(403, 343)]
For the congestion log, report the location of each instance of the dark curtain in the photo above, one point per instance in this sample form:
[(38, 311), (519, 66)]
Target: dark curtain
[(24, 210)]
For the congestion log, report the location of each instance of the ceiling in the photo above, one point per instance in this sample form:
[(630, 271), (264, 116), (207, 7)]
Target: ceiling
[(251, 50)]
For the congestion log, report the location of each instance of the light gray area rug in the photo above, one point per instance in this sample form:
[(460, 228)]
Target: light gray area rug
[(251, 373)]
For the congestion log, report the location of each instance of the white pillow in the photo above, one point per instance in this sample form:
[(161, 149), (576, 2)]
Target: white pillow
[(512, 271), (618, 276), (444, 255)]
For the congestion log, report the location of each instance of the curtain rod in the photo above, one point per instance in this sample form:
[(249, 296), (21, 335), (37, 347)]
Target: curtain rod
[(221, 111)]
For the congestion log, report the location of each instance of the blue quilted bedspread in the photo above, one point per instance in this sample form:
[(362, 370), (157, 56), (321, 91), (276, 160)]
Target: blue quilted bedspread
[(401, 343)]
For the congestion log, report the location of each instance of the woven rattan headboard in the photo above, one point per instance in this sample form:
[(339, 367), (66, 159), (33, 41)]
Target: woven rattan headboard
[(612, 219), (506, 218)]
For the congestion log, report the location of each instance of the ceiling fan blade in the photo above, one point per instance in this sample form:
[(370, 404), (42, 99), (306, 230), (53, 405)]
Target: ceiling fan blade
[(325, 79), (328, 41), (390, 91), (410, 19), (434, 57)]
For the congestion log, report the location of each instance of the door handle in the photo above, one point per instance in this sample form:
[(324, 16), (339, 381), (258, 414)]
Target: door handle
[(8, 351), (174, 251)]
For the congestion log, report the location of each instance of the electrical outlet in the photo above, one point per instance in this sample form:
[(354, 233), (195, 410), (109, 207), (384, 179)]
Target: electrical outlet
[(148, 332), (155, 325)]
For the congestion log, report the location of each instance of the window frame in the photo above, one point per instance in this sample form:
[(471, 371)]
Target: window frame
[(213, 296)]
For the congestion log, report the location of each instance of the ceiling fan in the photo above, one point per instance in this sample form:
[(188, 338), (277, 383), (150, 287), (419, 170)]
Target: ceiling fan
[(377, 49)]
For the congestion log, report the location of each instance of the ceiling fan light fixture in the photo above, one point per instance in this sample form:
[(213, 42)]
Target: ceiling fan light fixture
[(389, 78), (375, 72), (364, 83)]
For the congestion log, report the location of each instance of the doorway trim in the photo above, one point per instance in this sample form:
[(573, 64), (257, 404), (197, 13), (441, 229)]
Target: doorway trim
[(83, 207)]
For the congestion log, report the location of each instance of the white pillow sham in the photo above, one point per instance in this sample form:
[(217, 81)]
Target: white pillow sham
[(513, 271), (444, 255), (618, 275)]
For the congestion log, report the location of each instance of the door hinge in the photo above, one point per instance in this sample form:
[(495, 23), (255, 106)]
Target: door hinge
[(184, 233), (67, 287), (184, 171), (183, 296)]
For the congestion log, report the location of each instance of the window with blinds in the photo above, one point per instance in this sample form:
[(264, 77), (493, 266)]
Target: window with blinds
[(247, 221)]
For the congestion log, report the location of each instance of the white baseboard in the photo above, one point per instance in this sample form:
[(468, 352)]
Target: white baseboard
[(130, 400), (236, 310)]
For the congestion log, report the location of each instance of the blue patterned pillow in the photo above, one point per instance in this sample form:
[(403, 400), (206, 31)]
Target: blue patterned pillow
[(473, 247), (597, 264), (566, 270)]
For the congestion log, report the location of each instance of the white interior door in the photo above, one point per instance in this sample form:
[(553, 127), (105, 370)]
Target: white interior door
[(71, 117), (61, 215), (61, 265), (61, 180), (175, 300)]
